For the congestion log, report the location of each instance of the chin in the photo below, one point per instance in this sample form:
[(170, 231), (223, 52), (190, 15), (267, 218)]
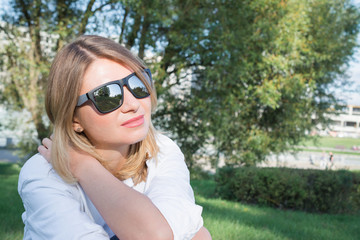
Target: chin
[(138, 137)]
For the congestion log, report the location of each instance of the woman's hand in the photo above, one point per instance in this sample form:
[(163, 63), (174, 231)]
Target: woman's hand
[(45, 149), (77, 157)]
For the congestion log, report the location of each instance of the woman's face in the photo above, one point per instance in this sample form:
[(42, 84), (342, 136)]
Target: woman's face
[(126, 125)]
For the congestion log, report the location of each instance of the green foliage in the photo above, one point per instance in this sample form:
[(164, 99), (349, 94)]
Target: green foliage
[(235, 79), (198, 173), (308, 190), (33, 32), (261, 70), (204, 187)]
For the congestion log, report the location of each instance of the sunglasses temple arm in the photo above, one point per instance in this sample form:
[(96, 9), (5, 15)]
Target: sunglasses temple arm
[(82, 99), (148, 76)]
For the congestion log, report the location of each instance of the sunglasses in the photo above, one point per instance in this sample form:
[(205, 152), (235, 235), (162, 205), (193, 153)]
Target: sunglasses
[(110, 96)]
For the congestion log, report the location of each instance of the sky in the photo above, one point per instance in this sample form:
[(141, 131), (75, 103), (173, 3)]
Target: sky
[(353, 98)]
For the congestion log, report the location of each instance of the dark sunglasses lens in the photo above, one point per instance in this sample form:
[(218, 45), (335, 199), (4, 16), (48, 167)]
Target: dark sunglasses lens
[(138, 87), (108, 97)]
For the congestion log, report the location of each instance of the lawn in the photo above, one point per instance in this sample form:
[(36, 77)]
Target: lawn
[(333, 142), (11, 226), (225, 219), (231, 220)]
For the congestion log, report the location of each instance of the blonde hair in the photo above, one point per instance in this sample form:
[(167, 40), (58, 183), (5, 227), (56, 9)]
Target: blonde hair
[(64, 83)]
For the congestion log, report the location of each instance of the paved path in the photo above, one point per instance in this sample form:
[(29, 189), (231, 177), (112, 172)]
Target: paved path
[(7, 155), (305, 160), (315, 160)]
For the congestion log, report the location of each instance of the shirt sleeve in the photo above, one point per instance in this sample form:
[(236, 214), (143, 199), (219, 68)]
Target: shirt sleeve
[(52, 211), (170, 191)]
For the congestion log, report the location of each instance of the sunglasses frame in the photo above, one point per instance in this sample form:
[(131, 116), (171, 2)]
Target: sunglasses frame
[(122, 82)]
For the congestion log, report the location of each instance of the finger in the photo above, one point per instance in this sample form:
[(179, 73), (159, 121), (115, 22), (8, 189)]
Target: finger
[(42, 150), (51, 136), (46, 142), (46, 153)]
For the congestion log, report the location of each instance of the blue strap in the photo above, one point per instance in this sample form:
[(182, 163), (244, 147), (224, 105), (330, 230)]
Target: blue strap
[(114, 238)]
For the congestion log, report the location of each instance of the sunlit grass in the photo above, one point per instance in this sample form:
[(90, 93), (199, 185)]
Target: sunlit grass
[(231, 220), (333, 142), (338, 145), (333, 151), (225, 220)]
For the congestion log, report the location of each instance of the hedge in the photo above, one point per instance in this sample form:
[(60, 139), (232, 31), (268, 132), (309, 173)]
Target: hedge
[(298, 189)]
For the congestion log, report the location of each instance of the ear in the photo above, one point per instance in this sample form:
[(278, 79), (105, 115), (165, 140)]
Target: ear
[(76, 125)]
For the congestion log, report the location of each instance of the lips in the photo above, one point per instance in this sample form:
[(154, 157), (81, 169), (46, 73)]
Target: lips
[(134, 122)]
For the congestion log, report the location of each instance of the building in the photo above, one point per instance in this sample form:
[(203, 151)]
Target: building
[(346, 123)]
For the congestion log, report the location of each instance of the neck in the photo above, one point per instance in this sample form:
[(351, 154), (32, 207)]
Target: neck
[(114, 159)]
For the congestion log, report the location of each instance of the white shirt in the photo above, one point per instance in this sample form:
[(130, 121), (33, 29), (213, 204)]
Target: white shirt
[(58, 210)]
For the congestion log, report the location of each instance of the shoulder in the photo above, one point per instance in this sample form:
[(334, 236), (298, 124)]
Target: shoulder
[(35, 166), (162, 139), (166, 145), (169, 155), (37, 169), (52, 206)]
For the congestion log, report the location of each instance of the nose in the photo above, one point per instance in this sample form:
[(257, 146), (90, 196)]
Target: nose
[(131, 103)]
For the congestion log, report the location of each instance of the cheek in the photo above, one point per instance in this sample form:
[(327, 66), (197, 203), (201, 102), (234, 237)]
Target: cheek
[(90, 119), (98, 129), (146, 104)]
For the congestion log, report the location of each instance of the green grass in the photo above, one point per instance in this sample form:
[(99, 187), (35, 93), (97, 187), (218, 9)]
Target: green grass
[(231, 220), (11, 208), (333, 142), (333, 151), (336, 145), (225, 219)]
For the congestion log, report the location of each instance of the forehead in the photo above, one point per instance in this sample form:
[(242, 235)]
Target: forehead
[(102, 71)]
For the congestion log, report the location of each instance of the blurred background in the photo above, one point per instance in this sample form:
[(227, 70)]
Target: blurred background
[(237, 81), (262, 83)]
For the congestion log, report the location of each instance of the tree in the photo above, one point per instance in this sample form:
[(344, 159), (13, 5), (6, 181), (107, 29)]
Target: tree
[(244, 77), (267, 70), (261, 70), (34, 30)]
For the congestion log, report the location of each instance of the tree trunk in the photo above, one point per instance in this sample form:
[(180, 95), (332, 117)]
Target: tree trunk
[(143, 36), (135, 29), (123, 24)]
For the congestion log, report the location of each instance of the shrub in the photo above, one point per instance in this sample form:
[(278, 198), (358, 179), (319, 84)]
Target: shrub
[(300, 189)]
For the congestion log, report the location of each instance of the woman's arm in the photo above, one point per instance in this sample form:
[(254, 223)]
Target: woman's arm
[(202, 234), (133, 215), (168, 187), (129, 214)]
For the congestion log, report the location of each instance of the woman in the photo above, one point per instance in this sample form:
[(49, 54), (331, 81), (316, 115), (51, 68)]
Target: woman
[(100, 137)]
